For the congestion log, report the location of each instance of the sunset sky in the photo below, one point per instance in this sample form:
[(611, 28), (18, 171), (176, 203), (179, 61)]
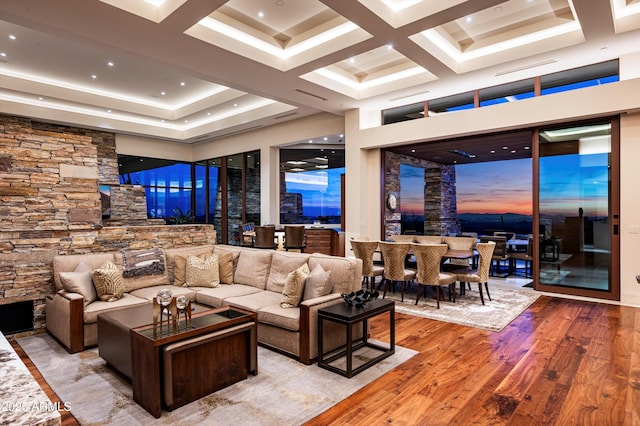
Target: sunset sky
[(568, 183)]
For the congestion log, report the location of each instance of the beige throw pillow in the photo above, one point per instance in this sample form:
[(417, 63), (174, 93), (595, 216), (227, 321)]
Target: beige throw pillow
[(79, 281), (180, 269), (108, 282), (225, 264), (202, 273), (318, 283), (294, 287)]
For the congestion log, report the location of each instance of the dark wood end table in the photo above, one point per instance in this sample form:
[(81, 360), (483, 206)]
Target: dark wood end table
[(350, 316)]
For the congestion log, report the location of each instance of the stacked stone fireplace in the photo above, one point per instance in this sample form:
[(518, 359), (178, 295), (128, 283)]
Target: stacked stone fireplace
[(50, 204)]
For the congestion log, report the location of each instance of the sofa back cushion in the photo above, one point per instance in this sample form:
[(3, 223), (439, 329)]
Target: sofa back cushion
[(143, 281), (68, 263), (282, 264), (253, 267), (346, 273), (171, 253)]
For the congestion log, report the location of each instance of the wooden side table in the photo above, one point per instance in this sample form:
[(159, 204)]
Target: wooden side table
[(349, 316)]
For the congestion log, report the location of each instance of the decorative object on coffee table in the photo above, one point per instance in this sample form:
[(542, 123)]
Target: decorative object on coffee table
[(183, 305), (359, 298), (164, 304)]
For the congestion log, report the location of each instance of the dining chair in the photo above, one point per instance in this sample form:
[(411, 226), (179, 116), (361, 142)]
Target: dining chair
[(365, 250), (428, 239), (480, 274), (526, 256), (458, 243), (265, 237), (294, 237), (500, 254), (247, 234), (394, 256), (429, 260), (397, 238)]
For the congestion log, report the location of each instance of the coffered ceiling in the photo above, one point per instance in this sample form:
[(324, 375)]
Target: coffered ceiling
[(196, 70)]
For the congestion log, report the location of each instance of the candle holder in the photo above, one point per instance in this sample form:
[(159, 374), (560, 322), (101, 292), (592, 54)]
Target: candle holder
[(183, 305)]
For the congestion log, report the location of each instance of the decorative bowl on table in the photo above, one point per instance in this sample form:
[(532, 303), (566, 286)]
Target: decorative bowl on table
[(359, 298)]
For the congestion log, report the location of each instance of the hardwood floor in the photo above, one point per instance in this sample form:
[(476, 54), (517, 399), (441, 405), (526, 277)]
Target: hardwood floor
[(562, 362)]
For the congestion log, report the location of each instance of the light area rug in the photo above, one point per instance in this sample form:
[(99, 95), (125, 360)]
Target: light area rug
[(285, 392), (506, 304)]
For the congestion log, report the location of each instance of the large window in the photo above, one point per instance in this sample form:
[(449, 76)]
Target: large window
[(223, 191), (167, 184), (310, 185)]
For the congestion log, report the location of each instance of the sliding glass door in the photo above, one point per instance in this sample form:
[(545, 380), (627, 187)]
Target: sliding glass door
[(577, 217)]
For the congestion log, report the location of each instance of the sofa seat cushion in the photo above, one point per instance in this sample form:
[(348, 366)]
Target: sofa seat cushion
[(93, 309), (255, 301), (215, 296), (149, 293), (288, 318)]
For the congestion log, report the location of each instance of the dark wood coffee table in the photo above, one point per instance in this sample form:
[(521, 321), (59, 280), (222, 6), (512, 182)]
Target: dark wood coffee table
[(349, 316), (175, 368)]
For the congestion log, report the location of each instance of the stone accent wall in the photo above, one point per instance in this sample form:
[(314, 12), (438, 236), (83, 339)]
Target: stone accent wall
[(50, 204), (440, 208)]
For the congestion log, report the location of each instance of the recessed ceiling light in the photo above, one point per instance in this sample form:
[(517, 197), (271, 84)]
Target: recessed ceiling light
[(352, 60), (505, 147), (235, 105), (413, 150), (163, 93), (108, 110), (3, 54), (110, 63), (40, 98), (93, 76), (513, 151), (492, 151), (310, 141), (208, 113), (390, 46), (469, 19), (261, 14), (182, 83), (326, 138), (162, 121), (186, 121), (12, 37), (526, 147)]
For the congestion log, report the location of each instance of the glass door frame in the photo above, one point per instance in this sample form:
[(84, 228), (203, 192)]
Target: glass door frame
[(614, 224)]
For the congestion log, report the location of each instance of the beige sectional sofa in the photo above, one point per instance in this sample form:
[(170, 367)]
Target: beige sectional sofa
[(259, 278)]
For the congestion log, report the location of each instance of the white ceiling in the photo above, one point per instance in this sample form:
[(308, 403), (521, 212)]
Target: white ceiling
[(195, 70)]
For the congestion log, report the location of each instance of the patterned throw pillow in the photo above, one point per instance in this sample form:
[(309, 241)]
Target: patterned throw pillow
[(180, 269), (108, 282), (293, 288), (318, 283), (79, 281), (202, 273)]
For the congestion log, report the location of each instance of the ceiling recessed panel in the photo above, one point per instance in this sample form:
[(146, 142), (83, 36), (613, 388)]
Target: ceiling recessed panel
[(626, 14), (283, 34), (512, 30), (398, 13), (153, 10), (371, 73)]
